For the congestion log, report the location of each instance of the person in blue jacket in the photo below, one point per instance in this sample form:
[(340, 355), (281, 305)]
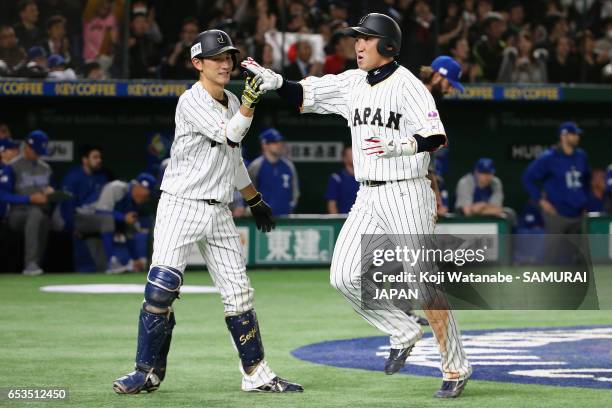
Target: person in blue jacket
[(274, 175), (84, 182), (8, 150), (342, 187), (559, 181), (120, 205)]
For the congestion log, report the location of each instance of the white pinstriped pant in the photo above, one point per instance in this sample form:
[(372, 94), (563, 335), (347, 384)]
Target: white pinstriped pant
[(403, 208), (182, 222)]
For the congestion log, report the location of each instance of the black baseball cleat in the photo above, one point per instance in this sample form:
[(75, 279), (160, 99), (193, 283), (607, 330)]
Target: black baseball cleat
[(135, 382), (397, 359), (451, 389), (278, 384)]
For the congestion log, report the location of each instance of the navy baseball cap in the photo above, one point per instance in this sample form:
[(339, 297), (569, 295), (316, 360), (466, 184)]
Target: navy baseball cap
[(38, 141), (485, 165), (270, 135), (449, 69), (146, 180), (55, 60), (569, 127), (6, 144), (609, 178), (37, 52)]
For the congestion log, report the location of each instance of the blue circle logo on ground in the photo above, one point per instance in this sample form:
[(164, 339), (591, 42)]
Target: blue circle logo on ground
[(567, 356)]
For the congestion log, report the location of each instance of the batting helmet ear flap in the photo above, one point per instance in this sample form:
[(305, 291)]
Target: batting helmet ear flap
[(387, 47)]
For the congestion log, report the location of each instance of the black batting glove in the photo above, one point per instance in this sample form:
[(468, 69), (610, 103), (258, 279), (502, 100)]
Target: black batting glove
[(262, 213)]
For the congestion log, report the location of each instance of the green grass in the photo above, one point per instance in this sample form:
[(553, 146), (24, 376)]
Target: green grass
[(83, 342)]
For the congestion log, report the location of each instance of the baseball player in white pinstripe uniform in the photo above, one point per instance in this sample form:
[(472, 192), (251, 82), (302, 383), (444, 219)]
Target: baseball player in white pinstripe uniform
[(204, 169), (394, 125)]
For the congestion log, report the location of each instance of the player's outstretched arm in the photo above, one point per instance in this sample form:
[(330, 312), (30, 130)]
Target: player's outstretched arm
[(238, 126)]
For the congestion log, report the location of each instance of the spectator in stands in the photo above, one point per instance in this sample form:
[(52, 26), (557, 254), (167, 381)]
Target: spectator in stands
[(297, 18), (121, 203), (5, 130), (460, 51), (57, 41), (516, 17), (488, 50), (36, 67), (342, 187), (27, 30), (597, 191), (93, 70), (302, 67), (419, 32), (523, 64), (274, 175), (177, 62), (143, 51), (10, 51), (480, 192), (338, 10), (563, 66), (267, 58), (477, 15), (557, 28), (592, 63), (33, 180), (100, 33), (564, 173), (58, 69), (342, 54), (453, 26), (148, 9), (85, 182), (603, 46)]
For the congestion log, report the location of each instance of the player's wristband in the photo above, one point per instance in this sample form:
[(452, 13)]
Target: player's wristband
[(237, 127), (252, 202)]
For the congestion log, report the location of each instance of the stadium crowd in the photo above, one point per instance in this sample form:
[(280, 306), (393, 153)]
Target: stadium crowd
[(509, 41)]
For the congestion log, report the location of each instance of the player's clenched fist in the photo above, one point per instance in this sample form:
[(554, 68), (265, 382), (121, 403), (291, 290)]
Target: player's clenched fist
[(390, 147), (270, 79), (252, 92), (262, 213)]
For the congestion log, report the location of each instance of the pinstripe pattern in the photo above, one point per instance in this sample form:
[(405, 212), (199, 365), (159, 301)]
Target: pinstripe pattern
[(199, 169), (400, 212), (202, 166), (401, 93)]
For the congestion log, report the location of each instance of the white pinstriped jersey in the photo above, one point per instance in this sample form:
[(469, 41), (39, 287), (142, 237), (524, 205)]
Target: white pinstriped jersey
[(396, 107), (202, 165)]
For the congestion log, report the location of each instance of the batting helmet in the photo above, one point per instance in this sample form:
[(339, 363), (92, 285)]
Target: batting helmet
[(213, 42), (382, 26)]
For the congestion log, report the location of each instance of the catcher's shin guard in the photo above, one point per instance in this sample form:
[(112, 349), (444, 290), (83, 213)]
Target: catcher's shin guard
[(247, 338)]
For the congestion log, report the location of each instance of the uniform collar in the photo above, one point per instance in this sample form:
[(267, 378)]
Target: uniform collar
[(381, 73)]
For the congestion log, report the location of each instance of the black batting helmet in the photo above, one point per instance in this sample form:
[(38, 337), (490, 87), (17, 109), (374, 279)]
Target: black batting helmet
[(382, 26), (213, 42)]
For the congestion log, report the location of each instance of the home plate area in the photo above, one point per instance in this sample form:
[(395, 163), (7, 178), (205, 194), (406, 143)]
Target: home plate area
[(568, 356)]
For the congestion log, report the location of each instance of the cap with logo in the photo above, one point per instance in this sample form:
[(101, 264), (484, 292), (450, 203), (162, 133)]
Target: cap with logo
[(449, 69), (38, 141), (270, 135), (55, 60), (485, 165), (569, 127), (146, 180), (6, 144)]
